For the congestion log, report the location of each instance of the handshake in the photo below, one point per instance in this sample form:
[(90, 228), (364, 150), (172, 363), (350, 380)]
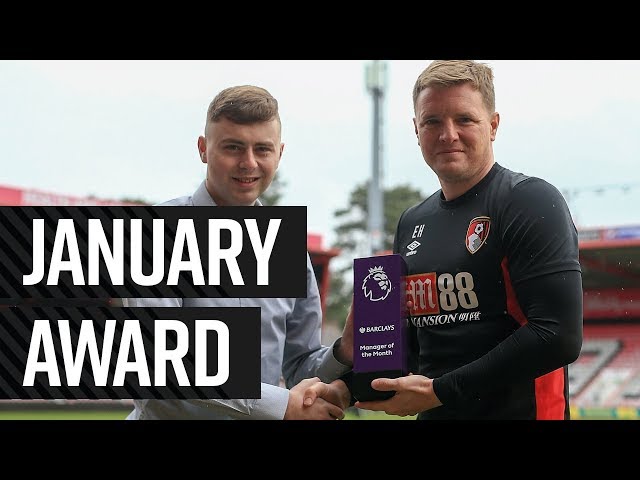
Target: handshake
[(377, 335), (312, 399)]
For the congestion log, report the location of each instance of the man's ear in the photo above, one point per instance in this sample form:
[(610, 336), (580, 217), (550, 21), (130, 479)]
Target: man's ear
[(280, 157), (495, 121), (202, 149)]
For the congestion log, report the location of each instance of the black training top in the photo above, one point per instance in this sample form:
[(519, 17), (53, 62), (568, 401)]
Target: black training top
[(496, 287)]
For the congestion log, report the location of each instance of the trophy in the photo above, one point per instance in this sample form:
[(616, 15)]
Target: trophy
[(379, 323)]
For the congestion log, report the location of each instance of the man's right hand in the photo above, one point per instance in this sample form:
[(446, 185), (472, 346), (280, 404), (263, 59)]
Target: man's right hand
[(414, 394), (321, 409)]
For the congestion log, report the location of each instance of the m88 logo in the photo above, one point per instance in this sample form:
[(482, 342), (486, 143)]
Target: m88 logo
[(432, 294)]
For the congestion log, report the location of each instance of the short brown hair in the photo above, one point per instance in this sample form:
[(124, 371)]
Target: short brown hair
[(244, 104), (446, 73)]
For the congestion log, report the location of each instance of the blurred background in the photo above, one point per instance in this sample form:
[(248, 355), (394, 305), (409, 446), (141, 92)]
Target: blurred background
[(112, 132)]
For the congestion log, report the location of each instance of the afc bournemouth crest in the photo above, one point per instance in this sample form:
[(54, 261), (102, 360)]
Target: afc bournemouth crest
[(477, 233)]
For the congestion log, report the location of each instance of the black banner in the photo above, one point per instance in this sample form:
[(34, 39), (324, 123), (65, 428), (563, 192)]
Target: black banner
[(168, 251), (136, 353)]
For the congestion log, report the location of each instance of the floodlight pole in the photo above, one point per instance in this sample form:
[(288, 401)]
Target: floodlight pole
[(376, 84)]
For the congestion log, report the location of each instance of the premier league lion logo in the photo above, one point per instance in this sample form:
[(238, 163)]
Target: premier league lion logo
[(376, 286)]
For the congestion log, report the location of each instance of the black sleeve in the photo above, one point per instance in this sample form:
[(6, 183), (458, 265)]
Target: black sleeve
[(347, 378), (537, 232), (550, 339)]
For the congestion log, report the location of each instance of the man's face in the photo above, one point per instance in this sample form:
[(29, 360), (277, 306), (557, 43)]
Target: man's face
[(241, 160), (455, 132)]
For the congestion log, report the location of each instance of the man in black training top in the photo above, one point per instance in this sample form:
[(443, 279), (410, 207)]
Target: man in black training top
[(494, 282)]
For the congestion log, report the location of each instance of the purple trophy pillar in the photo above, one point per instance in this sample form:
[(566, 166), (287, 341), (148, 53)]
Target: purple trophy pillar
[(379, 323)]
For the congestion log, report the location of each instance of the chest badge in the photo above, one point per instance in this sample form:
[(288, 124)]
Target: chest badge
[(477, 233)]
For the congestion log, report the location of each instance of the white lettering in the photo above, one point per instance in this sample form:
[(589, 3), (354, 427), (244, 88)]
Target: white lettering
[(65, 232), (41, 334), (98, 243), (263, 252), (136, 253), (131, 343), (174, 356), (86, 340), (38, 254), (185, 231), (131, 334), (202, 379), (185, 255), (229, 254)]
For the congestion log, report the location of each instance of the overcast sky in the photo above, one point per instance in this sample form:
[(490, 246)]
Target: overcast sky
[(118, 129)]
